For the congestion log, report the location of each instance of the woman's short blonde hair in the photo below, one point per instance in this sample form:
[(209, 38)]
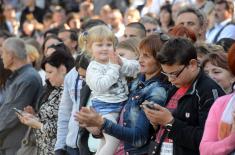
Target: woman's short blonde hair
[(32, 54)]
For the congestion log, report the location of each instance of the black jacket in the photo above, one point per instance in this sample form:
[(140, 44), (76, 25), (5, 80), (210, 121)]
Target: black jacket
[(191, 113)]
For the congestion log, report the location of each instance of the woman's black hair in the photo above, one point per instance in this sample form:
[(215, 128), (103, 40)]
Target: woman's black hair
[(48, 38), (168, 8), (58, 58)]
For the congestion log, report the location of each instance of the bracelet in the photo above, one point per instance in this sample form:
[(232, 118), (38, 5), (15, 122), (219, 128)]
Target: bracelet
[(169, 125), (172, 121)]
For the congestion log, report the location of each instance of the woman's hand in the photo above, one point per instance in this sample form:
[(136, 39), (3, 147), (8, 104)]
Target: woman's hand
[(88, 117), (157, 114), (29, 109), (30, 120)]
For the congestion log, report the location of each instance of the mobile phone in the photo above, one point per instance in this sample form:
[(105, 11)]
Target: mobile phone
[(18, 111), (150, 105)]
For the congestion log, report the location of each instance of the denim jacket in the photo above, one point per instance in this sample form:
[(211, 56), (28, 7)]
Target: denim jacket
[(135, 131)]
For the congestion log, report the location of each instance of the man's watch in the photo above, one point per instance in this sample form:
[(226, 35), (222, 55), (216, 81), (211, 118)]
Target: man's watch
[(169, 125)]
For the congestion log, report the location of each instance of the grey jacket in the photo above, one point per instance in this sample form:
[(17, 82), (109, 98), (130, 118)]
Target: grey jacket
[(22, 88)]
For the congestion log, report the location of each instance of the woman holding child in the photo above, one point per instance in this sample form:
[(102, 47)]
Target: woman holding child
[(133, 128)]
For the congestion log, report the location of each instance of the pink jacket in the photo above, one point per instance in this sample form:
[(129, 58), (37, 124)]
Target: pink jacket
[(210, 144)]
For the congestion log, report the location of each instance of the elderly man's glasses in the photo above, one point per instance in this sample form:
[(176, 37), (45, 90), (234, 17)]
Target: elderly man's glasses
[(175, 74)]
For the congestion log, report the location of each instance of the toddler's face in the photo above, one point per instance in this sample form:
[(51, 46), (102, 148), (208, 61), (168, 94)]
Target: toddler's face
[(100, 50)]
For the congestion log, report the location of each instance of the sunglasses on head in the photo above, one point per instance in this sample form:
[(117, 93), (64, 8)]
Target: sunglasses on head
[(164, 37), (56, 44)]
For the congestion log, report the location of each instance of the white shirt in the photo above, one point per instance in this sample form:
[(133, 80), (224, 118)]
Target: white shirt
[(67, 127), (107, 81), (121, 31), (227, 32), (10, 27)]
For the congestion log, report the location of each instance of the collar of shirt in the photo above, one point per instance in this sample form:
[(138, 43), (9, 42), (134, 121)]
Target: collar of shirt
[(223, 23), (10, 26), (19, 71)]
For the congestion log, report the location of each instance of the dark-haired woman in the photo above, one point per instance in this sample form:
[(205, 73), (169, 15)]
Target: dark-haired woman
[(45, 122), (166, 20)]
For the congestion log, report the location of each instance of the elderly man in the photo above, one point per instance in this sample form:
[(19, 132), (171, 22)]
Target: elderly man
[(22, 88), (194, 20)]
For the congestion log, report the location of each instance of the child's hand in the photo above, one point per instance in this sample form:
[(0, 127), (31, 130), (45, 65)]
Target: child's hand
[(114, 58)]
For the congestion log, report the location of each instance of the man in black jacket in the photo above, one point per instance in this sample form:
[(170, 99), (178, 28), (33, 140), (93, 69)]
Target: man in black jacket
[(181, 122)]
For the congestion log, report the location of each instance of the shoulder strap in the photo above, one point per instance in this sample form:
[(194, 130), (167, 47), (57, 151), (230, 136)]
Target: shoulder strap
[(76, 88), (157, 149), (218, 34), (27, 133)]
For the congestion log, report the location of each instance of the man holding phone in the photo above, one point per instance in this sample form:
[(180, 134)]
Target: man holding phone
[(189, 100), (22, 88)]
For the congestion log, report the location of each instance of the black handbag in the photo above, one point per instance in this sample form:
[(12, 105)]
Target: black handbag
[(28, 144)]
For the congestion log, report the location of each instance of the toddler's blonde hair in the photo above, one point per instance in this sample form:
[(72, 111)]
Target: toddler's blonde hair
[(95, 34)]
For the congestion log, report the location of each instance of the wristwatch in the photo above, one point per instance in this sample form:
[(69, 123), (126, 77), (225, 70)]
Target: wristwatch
[(169, 125)]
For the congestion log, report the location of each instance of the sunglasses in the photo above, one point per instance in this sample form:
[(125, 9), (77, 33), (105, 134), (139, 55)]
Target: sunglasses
[(164, 37), (56, 45)]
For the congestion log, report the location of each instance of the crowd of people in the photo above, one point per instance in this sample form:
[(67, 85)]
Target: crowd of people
[(106, 77)]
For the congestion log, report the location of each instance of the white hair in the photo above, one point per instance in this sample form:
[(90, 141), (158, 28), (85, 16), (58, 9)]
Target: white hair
[(16, 46)]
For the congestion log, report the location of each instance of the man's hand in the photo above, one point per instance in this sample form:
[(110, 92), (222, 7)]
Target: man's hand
[(158, 114)]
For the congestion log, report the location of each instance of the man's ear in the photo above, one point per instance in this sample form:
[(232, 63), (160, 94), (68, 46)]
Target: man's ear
[(194, 64)]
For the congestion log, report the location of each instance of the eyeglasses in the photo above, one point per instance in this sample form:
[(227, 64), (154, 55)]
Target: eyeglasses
[(176, 74)]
